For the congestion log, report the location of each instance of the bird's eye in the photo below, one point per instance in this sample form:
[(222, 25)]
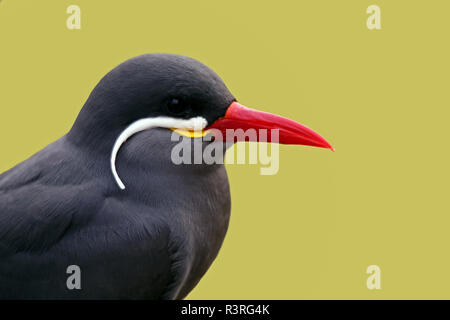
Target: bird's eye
[(176, 106)]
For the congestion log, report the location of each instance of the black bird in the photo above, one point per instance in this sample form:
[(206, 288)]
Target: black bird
[(107, 197)]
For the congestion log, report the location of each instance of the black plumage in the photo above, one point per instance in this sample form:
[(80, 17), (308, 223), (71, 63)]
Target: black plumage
[(153, 240)]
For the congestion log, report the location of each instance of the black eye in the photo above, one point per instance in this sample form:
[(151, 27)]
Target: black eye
[(176, 106)]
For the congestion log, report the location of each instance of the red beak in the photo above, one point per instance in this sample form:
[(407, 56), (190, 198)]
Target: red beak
[(290, 132)]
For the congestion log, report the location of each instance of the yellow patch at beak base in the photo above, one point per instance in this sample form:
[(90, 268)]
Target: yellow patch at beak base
[(190, 133)]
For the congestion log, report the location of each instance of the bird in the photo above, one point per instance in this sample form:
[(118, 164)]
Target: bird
[(106, 197)]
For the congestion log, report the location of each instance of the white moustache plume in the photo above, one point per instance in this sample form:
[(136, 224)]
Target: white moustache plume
[(196, 123)]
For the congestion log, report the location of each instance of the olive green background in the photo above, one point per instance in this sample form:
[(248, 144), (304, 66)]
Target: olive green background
[(380, 97)]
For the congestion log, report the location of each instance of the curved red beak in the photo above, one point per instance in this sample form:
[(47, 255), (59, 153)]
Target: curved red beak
[(289, 131)]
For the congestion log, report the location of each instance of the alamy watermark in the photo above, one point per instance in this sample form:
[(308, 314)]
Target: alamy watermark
[(374, 20), (73, 22), (73, 281), (374, 279), (195, 151)]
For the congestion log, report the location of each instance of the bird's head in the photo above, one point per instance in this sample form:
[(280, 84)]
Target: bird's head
[(178, 93)]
